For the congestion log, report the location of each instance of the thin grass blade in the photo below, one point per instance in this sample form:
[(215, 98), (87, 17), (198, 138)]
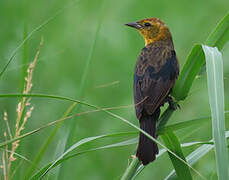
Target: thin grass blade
[(120, 144), (43, 149), (70, 129), (79, 143), (195, 156), (161, 129), (220, 35), (103, 110), (172, 142)]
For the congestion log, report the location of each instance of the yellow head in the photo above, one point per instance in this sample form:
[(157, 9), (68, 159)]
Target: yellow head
[(152, 30)]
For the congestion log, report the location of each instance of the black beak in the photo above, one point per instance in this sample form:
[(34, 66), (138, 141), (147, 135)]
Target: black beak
[(134, 25)]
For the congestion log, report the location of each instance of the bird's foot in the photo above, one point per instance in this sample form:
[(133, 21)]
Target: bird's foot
[(172, 103)]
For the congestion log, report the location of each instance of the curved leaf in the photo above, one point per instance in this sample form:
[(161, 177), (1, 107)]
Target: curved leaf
[(195, 60), (172, 142)]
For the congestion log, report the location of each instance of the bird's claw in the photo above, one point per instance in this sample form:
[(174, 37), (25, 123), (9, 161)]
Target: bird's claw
[(172, 104)]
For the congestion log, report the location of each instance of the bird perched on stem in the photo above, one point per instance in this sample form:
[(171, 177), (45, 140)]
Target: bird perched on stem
[(155, 74)]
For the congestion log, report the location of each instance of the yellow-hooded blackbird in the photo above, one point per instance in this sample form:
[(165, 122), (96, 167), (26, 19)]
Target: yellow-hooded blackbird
[(155, 73)]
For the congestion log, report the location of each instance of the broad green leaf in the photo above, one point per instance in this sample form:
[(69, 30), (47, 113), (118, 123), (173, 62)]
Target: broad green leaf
[(214, 65), (195, 60), (172, 142)]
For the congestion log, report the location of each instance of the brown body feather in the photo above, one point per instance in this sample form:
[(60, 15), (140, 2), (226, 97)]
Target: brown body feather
[(155, 74)]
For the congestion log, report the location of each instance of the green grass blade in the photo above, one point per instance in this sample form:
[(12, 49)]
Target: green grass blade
[(135, 170), (76, 145), (120, 144), (40, 154), (184, 124), (2, 144), (195, 60), (164, 118), (196, 155), (220, 35), (24, 57), (69, 110), (93, 106), (160, 129), (214, 64), (131, 169), (173, 127), (70, 129), (172, 142), (191, 68), (52, 123), (18, 155), (47, 96), (191, 159), (155, 140)]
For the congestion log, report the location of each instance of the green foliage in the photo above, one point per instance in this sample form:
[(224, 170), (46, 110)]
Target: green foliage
[(196, 155), (172, 142), (40, 154), (192, 67), (120, 144), (66, 67)]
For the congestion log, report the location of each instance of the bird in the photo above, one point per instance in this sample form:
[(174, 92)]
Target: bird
[(155, 74)]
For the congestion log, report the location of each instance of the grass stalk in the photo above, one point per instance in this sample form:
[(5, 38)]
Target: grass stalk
[(131, 169)]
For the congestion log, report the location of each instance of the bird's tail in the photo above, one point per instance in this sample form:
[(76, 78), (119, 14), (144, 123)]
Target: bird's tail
[(147, 149)]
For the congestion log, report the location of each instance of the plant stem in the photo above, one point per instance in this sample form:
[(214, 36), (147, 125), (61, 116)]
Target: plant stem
[(131, 169)]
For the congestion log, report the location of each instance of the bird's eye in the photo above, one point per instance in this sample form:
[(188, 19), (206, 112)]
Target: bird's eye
[(147, 24)]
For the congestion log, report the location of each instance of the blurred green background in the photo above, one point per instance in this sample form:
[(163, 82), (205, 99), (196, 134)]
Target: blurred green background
[(68, 41)]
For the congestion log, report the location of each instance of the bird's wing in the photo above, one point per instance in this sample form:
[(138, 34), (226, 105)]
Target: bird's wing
[(153, 80)]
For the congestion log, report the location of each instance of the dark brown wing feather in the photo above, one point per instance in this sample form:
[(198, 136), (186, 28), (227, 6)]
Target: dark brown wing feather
[(155, 74)]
